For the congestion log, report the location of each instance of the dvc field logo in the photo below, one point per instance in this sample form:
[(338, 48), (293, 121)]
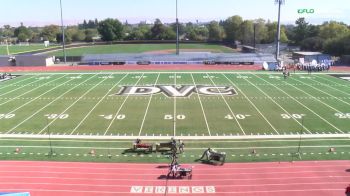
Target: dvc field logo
[(177, 91)]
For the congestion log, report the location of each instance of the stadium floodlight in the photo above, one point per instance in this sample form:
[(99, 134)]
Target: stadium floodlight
[(278, 36), (177, 32), (63, 36)]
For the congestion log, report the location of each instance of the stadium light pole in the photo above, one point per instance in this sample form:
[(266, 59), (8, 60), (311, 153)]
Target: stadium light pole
[(279, 2), (63, 36), (177, 32)]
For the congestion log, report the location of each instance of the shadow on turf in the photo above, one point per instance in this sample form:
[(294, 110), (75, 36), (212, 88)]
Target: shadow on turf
[(138, 152)]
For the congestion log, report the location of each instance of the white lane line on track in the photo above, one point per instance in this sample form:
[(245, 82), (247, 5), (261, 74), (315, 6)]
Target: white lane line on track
[(201, 104), (252, 104), (44, 84), (92, 109), (148, 104), (48, 103), (52, 121), (279, 106), (121, 106), (228, 106), (305, 107)]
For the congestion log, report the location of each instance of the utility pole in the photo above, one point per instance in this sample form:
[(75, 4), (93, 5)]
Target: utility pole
[(279, 2), (63, 36), (177, 33)]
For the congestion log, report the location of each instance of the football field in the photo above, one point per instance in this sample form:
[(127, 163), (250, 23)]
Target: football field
[(193, 105)]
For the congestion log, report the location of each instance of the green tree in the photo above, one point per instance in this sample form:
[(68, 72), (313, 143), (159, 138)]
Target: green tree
[(338, 46), (246, 31), (261, 33), (110, 29), (232, 26), (49, 33), (23, 34), (272, 32), (89, 34), (7, 31), (301, 31), (215, 31), (158, 30), (333, 29), (312, 44)]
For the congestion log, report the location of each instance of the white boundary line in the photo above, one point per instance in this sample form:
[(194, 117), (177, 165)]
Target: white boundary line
[(304, 106), (228, 106), (252, 103), (88, 114), (279, 105), (52, 121), (49, 103), (148, 104), (44, 84), (121, 106), (324, 91), (95, 137), (201, 104)]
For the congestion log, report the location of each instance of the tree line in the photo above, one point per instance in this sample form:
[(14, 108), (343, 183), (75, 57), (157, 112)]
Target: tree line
[(330, 37)]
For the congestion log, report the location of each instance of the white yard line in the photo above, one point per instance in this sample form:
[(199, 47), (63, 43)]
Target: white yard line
[(316, 98), (327, 85), (200, 102), (334, 82), (129, 137), (149, 103), (88, 114), (49, 103), (121, 106), (252, 104), (228, 106), (31, 89), (174, 117), (19, 81), (306, 107), (38, 96), (8, 92), (301, 125), (52, 121), (324, 91)]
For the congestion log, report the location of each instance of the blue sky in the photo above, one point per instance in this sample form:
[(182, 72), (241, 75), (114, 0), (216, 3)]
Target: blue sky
[(41, 12)]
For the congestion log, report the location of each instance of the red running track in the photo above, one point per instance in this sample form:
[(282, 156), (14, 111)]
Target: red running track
[(328, 178)]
